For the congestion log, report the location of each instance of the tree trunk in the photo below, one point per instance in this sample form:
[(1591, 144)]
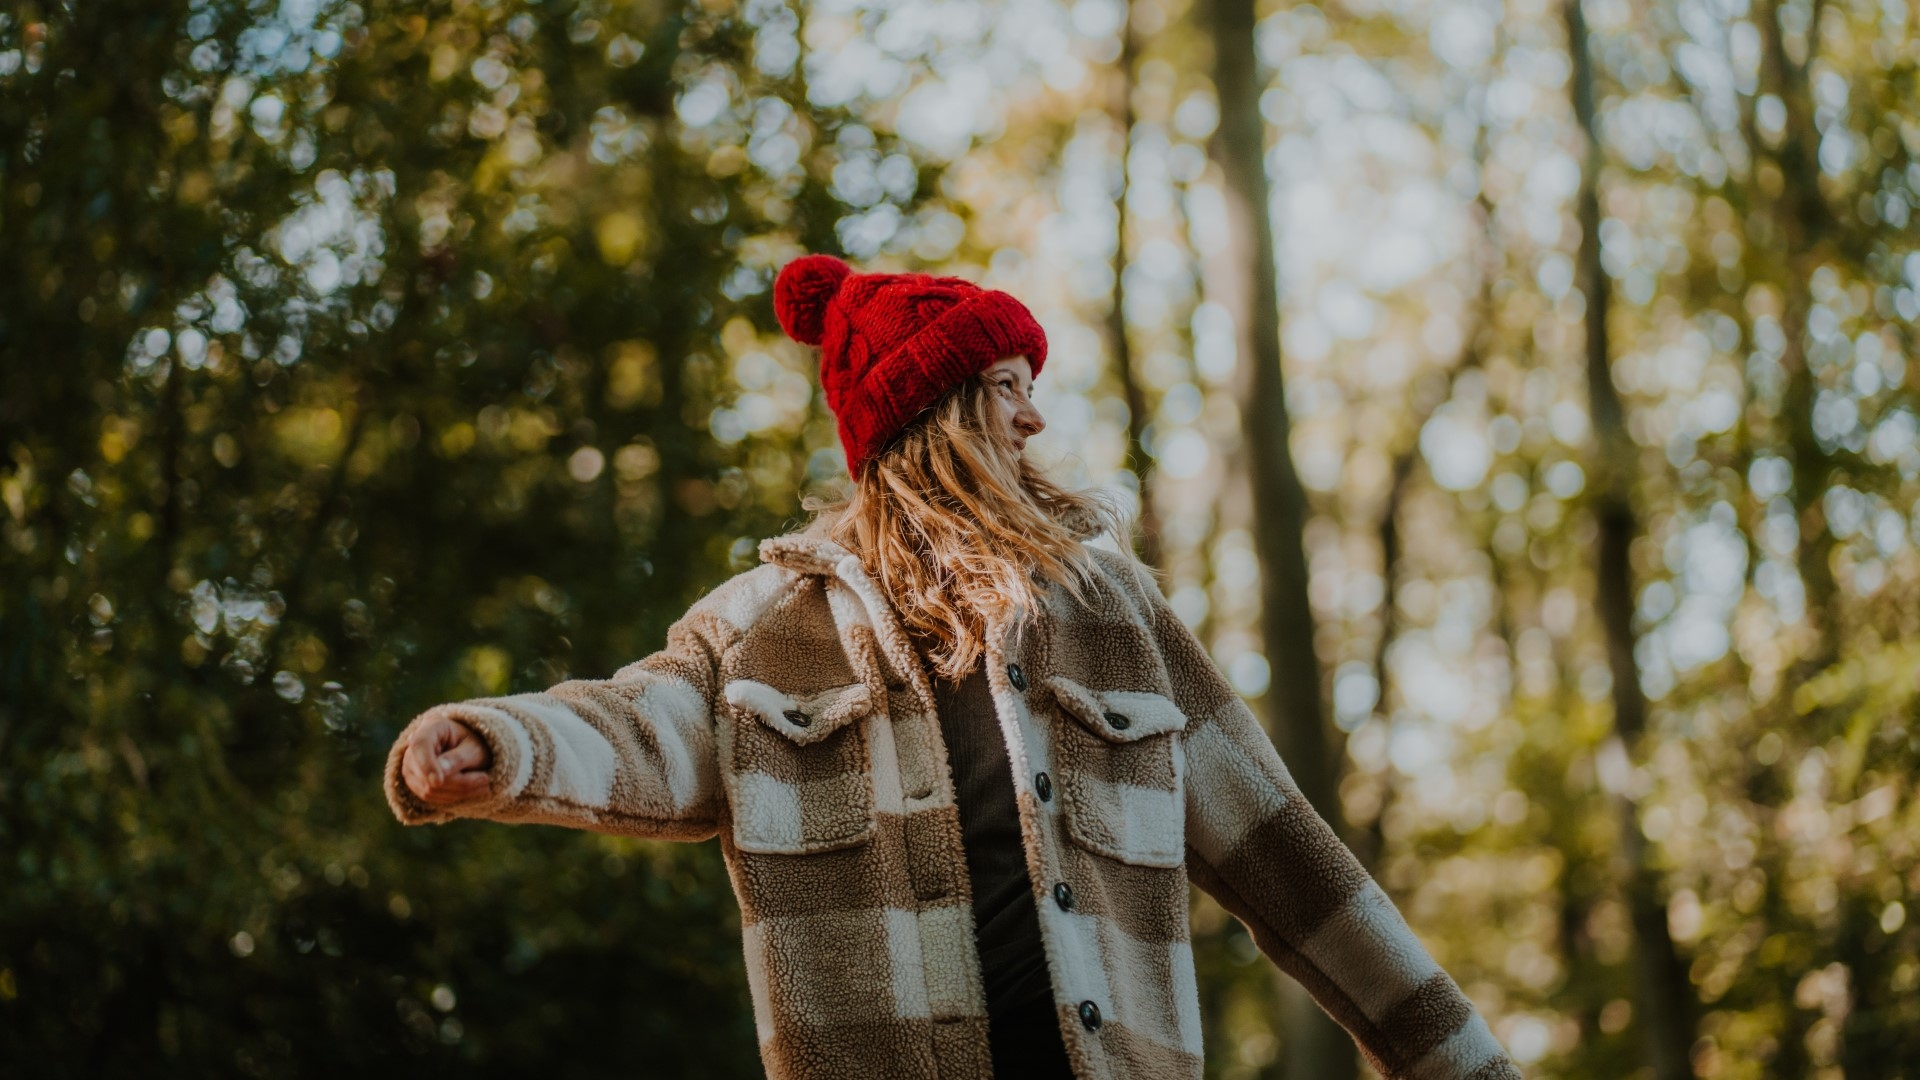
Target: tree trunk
[(1148, 544), (1805, 225), (1315, 1048), (1279, 501), (1665, 1007)]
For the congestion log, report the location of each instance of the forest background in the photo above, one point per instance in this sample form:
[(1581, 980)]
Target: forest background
[(1517, 397)]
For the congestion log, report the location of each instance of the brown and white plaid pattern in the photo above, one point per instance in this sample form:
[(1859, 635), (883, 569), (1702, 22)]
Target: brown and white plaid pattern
[(789, 715)]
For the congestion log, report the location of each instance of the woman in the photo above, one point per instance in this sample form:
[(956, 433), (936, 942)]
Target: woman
[(961, 763)]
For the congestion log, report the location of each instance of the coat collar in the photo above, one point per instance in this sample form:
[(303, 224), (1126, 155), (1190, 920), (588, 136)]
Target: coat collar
[(806, 553), (810, 551)]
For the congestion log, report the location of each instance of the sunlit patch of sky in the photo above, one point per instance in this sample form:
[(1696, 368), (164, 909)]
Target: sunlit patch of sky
[(1707, 559), (285, 40), (331, 239)]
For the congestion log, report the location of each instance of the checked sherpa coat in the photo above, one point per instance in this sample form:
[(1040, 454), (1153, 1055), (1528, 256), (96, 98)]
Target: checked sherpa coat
[(789, 715)]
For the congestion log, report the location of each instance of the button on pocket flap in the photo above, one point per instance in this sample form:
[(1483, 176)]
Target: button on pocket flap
[(805, 719), (1119, 716)]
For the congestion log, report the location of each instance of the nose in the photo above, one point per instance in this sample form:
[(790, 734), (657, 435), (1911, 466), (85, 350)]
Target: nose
[(1028, 421)]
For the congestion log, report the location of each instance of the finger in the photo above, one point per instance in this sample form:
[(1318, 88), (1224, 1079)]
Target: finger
[(445, 733), (418, 764), (415, 770), (445, 736), (458, 788), (467, 754), (452, 733), (425, 739), (426, 786)]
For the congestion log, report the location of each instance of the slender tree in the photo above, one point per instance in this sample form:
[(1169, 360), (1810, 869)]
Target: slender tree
[(1804, 232), (1140, 461), (1314, 1045), (1666, 1006), (1807, 231)]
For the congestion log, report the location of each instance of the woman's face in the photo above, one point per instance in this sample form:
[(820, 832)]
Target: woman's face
[(1010, 382)]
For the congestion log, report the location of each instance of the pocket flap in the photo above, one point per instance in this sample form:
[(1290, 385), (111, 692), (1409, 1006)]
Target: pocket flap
[(807, 719), (1119, 716)]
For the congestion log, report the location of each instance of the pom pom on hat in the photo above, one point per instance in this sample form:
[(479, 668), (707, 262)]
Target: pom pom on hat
[(802, 292)]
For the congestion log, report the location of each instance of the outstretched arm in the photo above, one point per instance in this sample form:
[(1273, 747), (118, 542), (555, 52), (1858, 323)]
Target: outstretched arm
[(1257, 846), (632, 754)]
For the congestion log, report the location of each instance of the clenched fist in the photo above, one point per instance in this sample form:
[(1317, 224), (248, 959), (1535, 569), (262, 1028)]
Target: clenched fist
[(445, 762)]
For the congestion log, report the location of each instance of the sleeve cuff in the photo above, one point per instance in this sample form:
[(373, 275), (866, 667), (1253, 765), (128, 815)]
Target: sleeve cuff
[(506, 744)]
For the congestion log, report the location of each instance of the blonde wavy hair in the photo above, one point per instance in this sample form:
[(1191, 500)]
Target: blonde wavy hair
[(956, 526)]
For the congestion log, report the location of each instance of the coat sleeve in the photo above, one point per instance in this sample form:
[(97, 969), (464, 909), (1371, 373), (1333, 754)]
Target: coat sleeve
[(633, 754), (1256, 845)]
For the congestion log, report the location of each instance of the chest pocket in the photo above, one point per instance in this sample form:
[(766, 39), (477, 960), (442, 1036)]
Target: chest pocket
[(798, 775), (1122, 773)]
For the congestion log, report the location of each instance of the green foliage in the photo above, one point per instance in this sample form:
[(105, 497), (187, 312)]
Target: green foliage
[(356, 359)]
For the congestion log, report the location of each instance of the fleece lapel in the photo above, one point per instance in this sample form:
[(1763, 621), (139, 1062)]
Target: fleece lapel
[(818, 555)]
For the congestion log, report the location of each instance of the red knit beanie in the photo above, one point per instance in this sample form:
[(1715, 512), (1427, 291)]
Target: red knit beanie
[(892, 344)]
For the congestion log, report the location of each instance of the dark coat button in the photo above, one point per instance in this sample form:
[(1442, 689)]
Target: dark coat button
[(1063, 895), (1043, 786), (797, 718), (1090, 1015), (1017, 677), (1119, 721)]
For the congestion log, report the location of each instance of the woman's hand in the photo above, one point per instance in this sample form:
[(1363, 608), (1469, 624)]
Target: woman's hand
[(445, 763)]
